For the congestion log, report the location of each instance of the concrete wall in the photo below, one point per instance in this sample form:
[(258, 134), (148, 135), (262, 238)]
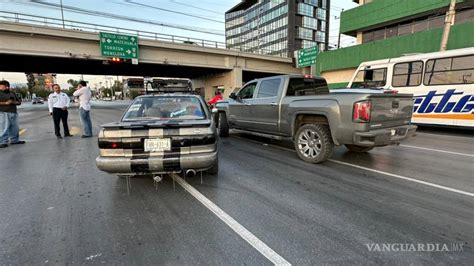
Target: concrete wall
[(338, 77), (230, 81)]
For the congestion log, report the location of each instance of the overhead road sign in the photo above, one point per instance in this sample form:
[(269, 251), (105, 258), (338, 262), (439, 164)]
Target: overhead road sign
[(118, 45)]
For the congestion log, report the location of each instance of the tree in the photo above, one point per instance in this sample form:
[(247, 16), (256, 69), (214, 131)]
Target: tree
[(73, 83), (30, 79), (23, 91)]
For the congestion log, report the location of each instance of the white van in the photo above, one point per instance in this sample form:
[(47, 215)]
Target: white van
[(441, 82)]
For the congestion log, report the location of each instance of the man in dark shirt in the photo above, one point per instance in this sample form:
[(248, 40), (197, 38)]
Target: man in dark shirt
[(9, 130)]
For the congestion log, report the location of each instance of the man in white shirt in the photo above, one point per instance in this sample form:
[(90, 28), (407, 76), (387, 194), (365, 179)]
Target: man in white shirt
[(84, 94), (58, 102)]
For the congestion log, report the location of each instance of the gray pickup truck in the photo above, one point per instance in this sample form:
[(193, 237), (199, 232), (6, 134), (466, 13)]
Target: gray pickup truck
[(303, 109)]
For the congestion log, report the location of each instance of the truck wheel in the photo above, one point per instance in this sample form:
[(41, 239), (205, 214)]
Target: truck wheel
[(356, 148), (223, 125), (214, 170), (313, 143)]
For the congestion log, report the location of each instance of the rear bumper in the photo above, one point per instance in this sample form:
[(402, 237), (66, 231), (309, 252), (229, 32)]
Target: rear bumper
[(156, 165), (383, 137)]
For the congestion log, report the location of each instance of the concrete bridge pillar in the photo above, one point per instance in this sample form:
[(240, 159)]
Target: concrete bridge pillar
[(228, 82)]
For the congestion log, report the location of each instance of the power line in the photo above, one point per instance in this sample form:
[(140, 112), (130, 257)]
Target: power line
[(173, 11), (133, 19), (200, 8)]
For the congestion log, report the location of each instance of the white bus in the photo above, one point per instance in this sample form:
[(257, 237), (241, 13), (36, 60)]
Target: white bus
[(442, 84)]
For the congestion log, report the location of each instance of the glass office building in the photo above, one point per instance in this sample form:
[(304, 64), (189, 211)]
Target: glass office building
[(277, 27)]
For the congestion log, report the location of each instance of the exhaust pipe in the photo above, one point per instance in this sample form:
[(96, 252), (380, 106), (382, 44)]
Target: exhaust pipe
[(190, 173)]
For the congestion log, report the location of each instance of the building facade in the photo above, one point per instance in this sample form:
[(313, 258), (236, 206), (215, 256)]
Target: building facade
[(388, 29), (277, 27)]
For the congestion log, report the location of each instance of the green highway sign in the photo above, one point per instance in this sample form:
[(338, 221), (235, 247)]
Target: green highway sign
[(307, 56), (118, 45)]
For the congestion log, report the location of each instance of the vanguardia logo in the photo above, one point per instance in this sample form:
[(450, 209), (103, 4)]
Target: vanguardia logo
[(415, 247)]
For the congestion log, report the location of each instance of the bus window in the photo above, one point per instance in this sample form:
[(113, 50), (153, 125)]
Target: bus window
[(444, 71), (370, 78), (407, 74)]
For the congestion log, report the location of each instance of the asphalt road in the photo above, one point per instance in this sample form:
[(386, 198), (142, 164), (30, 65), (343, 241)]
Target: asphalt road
[(57, 208)]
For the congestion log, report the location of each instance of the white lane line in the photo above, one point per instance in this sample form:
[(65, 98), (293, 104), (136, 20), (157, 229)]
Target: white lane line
[(443, 151), (406, 178), (233, 224), (376, 171)]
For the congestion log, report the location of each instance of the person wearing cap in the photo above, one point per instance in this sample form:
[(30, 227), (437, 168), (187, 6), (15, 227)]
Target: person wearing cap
[(58, 103), (9, 130)]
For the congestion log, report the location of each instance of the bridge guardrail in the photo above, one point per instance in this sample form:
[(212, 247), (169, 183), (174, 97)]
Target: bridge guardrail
[(90, 27)]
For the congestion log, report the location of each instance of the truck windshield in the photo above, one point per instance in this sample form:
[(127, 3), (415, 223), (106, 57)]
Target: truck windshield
[(370, 78), (165, 108), (307, 86)]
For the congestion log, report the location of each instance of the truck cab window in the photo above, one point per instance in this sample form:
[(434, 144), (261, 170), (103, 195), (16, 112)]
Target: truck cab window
[(247, 91), (370, 78), (307, 86), (269, 88)]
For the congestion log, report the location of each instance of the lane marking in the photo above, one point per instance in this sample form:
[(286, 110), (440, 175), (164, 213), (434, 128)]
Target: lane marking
[(21, 131), (406, 178), (245, 234), (443, 151), (376, 171)]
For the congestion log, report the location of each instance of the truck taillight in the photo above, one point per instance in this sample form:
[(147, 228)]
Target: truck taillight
[(361, 112)]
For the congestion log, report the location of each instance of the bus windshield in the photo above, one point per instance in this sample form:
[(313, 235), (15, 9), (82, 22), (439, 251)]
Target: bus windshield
[(370, 78)]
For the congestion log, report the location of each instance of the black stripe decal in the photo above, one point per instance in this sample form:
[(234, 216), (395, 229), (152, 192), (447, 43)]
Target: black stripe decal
[(171, 159), (137, 164)]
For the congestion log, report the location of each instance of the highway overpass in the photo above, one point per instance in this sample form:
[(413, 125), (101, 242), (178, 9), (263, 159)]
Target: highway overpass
[(42, 49)]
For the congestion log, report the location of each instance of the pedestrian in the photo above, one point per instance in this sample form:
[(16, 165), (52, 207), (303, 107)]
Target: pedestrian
[(9, 130), (217, 97), (84, 93), (58, 103)]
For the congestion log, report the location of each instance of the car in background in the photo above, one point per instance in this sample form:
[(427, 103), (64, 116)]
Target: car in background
[(160, 134), (37, 100)]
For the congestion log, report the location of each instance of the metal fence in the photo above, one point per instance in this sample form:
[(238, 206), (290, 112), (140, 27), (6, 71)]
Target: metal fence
[(91, 27)]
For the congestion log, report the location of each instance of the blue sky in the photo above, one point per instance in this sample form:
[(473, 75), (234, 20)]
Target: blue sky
[(202, 15)]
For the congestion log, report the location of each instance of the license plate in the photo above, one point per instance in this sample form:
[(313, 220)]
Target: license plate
[(154, 145)]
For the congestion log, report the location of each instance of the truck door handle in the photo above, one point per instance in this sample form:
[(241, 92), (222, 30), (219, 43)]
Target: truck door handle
[(273, 104)]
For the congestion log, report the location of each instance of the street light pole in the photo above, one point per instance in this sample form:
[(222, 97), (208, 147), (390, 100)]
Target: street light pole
[(62, 12)]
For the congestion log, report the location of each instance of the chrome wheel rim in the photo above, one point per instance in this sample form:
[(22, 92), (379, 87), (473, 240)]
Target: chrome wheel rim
[(309, 143)]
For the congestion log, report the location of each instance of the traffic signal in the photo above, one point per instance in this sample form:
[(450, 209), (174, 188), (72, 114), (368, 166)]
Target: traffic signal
[(116, 60)]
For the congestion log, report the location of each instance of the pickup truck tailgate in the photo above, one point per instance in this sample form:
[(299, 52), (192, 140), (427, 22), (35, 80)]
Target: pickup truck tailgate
[(386, 109)]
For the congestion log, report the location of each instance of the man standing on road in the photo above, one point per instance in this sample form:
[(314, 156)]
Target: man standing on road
[(58, 102), (84, 94), (9, 129)]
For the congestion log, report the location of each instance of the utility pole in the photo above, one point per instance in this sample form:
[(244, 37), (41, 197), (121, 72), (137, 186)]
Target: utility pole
[(339, 37), (447, 25), (62, 12)]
